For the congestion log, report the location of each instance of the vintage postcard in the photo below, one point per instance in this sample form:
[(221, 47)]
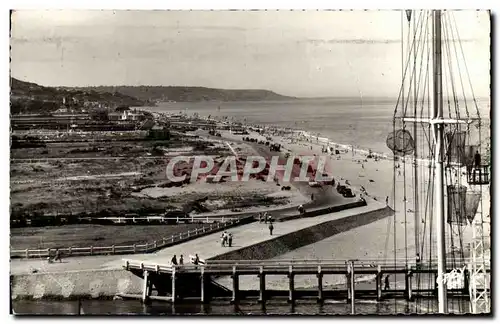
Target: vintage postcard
[(310, 162)]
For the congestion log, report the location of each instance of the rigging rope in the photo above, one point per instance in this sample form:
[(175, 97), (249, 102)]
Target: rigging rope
[(455, 136)]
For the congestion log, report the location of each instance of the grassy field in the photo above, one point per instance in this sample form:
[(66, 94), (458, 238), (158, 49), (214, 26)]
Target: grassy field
[(92, 235), (136, 183), (66, 186)]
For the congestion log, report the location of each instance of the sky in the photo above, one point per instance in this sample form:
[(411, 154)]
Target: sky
[(297, 53)]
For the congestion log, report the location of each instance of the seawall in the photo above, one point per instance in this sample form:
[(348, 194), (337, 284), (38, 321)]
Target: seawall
[(74, 284), (323, 210)]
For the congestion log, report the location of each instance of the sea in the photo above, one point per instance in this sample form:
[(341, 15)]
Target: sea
[(361, 122), (248, 308)]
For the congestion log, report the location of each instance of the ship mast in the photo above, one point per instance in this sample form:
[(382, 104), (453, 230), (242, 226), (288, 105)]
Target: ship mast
[(437, 122), (438, 132), (416, 208)]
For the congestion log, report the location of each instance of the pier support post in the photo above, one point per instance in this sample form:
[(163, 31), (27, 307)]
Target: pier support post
[(435, 292), (353, 289), (236, 286), (410, 283), (348, 280), (320, 285), (202, 282), (262, 290), (466, 282), (378, 283), (291, 281), (173, 285), (406, 283), (152, 283), (145, 287), (408, 291)]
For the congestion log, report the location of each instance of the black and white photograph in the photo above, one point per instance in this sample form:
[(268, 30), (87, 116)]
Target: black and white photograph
[(250, 162)]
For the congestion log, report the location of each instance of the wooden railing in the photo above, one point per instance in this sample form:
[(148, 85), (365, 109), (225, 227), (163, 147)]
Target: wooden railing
[(129, 249), (166, 220), (228, 265), (189, 274), (297, 267)]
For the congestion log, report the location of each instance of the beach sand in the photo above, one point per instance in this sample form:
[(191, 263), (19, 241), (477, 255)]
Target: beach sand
[(386, 239), (377, 177)]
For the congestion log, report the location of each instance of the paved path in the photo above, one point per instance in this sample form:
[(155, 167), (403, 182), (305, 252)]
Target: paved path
[(207, 246)]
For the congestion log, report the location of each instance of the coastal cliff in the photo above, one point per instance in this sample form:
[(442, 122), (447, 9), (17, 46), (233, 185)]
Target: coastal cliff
[(189, 94), (26, 97)]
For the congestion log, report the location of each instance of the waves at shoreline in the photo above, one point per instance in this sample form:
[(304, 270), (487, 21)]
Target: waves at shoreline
[(362, 127)]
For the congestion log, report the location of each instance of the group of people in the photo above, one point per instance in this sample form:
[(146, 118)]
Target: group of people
[(173, 261), (226, 239), (265, 217)]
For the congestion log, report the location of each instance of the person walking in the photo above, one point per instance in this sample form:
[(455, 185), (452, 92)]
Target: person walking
[(260, 217), (181, 260), (386, 283), (230, 239), (477, 159), (174, 260), (196, 259), (58, 256), (265, 218), (387, 201), (271, 227)]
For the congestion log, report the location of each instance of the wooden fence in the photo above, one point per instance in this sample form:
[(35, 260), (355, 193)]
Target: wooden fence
[(130, 249), (162, 220)]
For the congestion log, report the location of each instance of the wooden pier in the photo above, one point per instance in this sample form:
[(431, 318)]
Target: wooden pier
[(198, 285)]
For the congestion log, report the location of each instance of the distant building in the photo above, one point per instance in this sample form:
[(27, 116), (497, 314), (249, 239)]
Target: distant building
[(115, 116), (62, 110), (126, 115), (133, 115), (157, 132)]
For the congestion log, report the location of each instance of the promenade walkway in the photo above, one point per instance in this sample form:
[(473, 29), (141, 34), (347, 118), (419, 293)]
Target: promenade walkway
[(207, 246)]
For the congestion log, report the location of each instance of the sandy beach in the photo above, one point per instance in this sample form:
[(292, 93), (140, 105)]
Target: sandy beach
[(377, 179), (382, 240)]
